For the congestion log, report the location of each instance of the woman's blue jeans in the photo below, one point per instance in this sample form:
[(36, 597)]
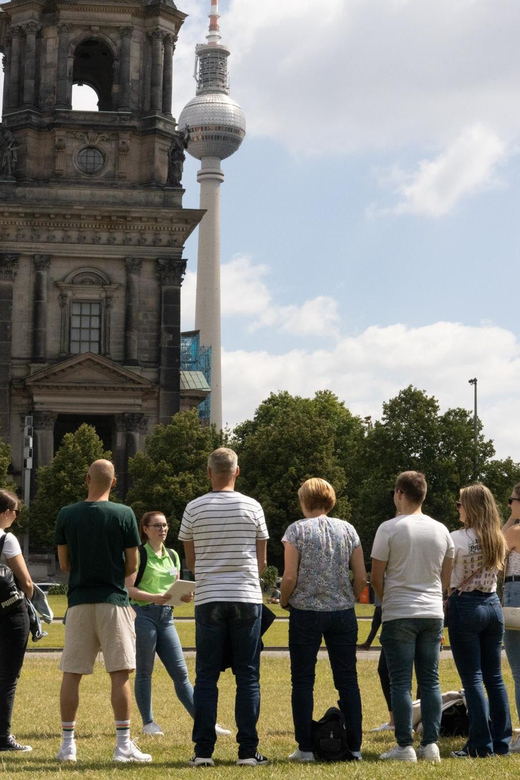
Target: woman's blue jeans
[(476, 628), (512, 638), (339, 630), (155, 633)]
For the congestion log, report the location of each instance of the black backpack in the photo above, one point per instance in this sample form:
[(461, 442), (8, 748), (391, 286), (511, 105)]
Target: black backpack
[(329, 737), (10, 595), (455, 720), (143, 560)]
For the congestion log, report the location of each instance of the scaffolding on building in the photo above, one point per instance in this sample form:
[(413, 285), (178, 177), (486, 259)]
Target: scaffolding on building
[(194, 357)]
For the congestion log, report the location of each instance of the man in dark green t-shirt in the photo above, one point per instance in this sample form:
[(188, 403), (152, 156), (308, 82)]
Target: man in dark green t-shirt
[(97, 544)]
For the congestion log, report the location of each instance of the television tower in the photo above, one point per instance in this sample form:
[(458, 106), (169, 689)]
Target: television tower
[(217, 127)]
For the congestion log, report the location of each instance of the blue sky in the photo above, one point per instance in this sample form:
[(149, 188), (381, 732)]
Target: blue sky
[(370, 234)]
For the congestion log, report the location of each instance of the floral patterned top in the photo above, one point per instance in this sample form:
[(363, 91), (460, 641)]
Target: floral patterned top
[(325, 545)]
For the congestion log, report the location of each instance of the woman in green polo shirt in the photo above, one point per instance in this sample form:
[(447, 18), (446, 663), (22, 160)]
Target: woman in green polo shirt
[(154, 627)]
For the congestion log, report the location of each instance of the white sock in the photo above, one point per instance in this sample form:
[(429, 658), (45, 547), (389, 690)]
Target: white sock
[(67, 731), (122, 733)]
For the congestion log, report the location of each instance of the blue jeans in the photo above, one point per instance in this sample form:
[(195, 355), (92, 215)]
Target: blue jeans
[(476, 628), (216, 623), (156, 633), (407, 641), (512, 638), (339, 630)]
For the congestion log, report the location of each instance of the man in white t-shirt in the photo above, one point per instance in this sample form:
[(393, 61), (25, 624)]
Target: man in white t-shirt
[(225, 542), (412, 559)]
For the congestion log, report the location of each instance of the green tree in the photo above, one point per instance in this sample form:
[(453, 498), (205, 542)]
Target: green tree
[(500, 476), (172, 469), (5, 462), (62, 481), (289, 440)]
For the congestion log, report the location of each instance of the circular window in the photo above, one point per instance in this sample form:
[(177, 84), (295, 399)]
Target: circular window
[(90, 160)]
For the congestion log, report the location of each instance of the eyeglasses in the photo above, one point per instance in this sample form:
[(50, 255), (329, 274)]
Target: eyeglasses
[(16, 512), (158, 526), (458, 504), (513, 498)]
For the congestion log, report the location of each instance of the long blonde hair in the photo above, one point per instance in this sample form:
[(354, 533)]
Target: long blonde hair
[(483, 516)]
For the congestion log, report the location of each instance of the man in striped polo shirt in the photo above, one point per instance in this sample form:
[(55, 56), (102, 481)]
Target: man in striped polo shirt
[(225, 542)]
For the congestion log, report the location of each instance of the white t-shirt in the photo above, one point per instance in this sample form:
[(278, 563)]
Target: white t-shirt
[(414, 547), (224, 527), (468, 558), (11, 545)]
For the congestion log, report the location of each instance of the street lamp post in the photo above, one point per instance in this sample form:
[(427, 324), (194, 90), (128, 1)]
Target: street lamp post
[(475, 423)]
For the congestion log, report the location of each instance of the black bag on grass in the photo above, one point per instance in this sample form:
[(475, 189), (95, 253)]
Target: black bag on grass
[(329, 737)]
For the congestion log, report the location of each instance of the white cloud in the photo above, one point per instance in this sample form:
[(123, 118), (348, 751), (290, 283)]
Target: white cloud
[(466, 167), (366, 370), (245, 294)]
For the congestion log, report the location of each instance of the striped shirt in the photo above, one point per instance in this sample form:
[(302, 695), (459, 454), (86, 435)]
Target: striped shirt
[(224, 527)]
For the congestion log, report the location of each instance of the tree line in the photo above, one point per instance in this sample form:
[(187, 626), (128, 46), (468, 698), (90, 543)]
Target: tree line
[(288, 440)]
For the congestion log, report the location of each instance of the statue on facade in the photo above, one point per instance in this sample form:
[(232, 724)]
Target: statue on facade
[(8, 152), (176, 157)]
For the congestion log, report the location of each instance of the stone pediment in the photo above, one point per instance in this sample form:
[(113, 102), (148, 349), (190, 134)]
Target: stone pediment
[(88, 371)]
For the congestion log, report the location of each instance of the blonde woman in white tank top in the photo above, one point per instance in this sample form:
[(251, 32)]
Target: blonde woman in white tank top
[(512, 595)]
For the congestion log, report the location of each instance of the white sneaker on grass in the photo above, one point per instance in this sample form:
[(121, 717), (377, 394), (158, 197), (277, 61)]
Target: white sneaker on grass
[(201, 761), (399, 753), (153, 729), (221, 732), (383, 727), (67, 752), (303, 756), (514, 747), (257, 760), (130, 754), (429, 752)]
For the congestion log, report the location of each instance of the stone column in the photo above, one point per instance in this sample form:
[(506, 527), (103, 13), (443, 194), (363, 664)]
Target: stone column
[(157, 69), (171, 272), (107, 315), (43, 424), (6, 64), (124, 73), (29, 82), (40, 304), (62, 83), (64, 324), (14, 95), (133, 270), (169, 48), (8, 268), (136, 424)]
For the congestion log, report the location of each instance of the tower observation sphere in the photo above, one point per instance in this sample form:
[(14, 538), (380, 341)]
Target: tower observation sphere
[(216, 127)]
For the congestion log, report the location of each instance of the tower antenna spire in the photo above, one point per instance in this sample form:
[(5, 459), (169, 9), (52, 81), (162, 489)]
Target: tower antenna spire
[(214, 35)]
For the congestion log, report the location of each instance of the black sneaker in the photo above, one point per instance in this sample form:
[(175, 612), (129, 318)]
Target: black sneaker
[(257, 760), (11, 744)]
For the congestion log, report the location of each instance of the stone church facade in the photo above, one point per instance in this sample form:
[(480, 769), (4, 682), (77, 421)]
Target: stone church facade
[(92, 226)]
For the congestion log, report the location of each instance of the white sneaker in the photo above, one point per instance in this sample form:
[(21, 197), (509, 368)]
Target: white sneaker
[(356, 755), (399, 753), (130, 753), (67, 752), (303, 756), (153, 729), (514, 747), (383, 727), (429, 752), (220, 732), (201, 761)]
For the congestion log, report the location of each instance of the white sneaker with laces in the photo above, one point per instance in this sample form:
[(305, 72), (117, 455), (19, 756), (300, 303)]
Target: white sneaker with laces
[(67, 752), (201, 761), (383, 727), (221, 732), (257, 760), (429, 752), (399, 753), (153, 729), (303, 756), (130, 753), (514, 747), (356, 755)]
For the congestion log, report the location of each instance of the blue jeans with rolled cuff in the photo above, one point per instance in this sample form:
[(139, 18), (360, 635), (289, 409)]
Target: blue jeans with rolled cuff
[(476, 628)]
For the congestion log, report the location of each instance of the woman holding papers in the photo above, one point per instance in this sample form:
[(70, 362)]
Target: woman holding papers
[(154, 627)]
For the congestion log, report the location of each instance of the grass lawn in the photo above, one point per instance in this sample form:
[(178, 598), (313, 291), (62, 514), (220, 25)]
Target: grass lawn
[(36, 721)]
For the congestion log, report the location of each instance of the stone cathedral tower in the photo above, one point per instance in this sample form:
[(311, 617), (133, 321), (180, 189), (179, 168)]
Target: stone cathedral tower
[(92, 226)]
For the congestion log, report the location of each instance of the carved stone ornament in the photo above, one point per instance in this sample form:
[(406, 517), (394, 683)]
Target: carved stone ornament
[(124, 146), (89, 277), (63, 28), (126, 32), (133, 264), (31, 28), (42, 262), (60, 144), (8, 267), (135, 423), (157, 34), (171, 271), (92, 137), (44, 420)]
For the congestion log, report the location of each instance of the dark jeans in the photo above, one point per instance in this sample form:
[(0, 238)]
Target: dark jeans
[(14, 633), (384, 679), (214, 623), (476, 628), (406, 642), (339, 630)]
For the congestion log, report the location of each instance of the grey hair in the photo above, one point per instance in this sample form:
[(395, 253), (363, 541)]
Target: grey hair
[(223, 461)]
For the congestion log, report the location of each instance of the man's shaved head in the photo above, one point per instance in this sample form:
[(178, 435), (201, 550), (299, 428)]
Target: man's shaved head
[(101, 474)]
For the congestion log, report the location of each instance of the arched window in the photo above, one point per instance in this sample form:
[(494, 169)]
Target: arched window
[(84, 98), (94, 68)]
